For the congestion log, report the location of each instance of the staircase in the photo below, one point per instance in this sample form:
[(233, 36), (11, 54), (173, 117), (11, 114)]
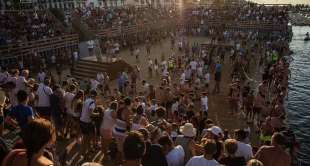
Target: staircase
[(88, 69)]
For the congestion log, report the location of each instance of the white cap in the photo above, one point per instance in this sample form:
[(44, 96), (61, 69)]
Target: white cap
[(215, 130)]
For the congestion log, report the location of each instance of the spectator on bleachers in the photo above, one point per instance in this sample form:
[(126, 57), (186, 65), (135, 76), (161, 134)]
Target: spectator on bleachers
[(23, 26)]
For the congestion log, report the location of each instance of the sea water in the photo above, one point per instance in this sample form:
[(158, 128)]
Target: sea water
[(298, 105), (282, 1)]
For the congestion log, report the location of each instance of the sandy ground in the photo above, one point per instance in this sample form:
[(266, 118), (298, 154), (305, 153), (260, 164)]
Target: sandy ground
[(219, 110)]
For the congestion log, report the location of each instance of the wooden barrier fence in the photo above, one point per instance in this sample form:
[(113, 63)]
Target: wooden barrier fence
[(14, 50), (241, 25)]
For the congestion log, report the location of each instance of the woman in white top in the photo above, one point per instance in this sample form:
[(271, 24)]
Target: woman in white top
[(139, 121), (108, 122)]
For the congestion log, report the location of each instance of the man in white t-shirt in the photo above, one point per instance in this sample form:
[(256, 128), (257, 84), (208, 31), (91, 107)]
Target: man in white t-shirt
[(87, 128), (204, 103), (94, 84), (41, 76), (21, 82), (193, 65), (75, 55), (145, 87), (207, 158), (244, 150), (44, 92), (200, 71), (100, 78), (68, 100), (90, 45), (207, 79), (88, 107), (53, 59), (174, 154), (182, 79)]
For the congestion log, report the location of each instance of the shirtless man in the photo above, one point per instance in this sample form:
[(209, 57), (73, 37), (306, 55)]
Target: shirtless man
[(275, 154), (259, 104)]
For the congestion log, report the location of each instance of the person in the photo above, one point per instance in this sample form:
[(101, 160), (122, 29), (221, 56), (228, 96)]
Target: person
[(207, 158), (136, 54), (100, 78), (68, 98), (109, 119), (254, 162), (274, 155), (174, 154), (204, 103), (22, 113), (44, 92), (186, 140), (231, 146), (207, 78), (39, 134), (243, 150), (2, 106), (139, 121), (77, 106), (215, 133), (11, 83), (57, 109), (133, 148), (122, 123), (193, 66), (217, 77), (86, 125), (154, 154), (91, 45), (22, 82)]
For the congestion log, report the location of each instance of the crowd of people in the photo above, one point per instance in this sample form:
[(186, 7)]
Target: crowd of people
[(136, 123), (23, 26), (249, 12), (103, 18)]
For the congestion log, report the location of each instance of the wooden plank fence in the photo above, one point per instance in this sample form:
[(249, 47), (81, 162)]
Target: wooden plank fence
[(13, 50)]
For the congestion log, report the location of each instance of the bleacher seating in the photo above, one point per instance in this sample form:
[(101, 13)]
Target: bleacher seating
[(32, 31)]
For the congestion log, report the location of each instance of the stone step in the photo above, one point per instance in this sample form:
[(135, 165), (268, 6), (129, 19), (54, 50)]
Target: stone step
[(89, 69), (93, 63), (82, 75)]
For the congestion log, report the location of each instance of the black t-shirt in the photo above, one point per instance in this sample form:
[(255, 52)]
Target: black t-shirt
[(154, 155), (219, 148), (233, 161)]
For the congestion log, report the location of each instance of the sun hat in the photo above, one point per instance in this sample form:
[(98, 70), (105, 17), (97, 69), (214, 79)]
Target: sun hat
[(215, 130), (91, 164), (188, 130)]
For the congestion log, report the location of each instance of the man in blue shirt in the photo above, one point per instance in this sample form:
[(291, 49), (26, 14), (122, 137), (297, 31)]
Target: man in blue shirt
[(22, 113), (121, 82), (217, 77)]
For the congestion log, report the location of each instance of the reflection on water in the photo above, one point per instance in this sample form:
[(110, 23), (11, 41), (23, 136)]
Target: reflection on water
[(299, 91)]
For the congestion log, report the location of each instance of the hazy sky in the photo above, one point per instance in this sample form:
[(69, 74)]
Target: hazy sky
[(283, 1)]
